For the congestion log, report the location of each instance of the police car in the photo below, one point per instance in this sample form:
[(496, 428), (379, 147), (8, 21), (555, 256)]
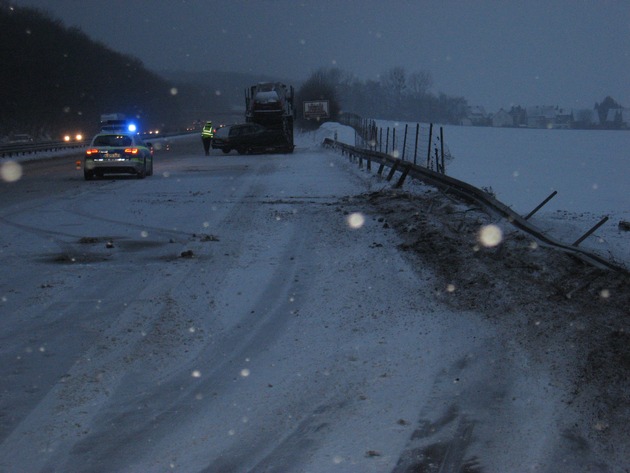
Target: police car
[(118, 150)]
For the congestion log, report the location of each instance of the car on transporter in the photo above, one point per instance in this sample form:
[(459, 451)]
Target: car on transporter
[(118, 152)]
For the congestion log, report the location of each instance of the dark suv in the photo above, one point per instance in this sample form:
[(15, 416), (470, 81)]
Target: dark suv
[(246, 138)]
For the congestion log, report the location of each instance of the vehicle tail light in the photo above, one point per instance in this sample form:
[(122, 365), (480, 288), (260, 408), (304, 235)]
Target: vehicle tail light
[(131, 150), (92, 151)]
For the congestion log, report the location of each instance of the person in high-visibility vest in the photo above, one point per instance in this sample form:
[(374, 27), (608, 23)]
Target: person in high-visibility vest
[(206, 136)]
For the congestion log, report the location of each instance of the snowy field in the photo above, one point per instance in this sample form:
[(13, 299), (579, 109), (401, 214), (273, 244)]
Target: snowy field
[(590, 170)]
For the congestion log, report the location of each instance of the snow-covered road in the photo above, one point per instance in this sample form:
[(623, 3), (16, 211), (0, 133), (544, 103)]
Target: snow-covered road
[(249, 314)]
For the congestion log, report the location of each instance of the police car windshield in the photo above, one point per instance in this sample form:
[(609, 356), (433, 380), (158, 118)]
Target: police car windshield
[(112, 140)]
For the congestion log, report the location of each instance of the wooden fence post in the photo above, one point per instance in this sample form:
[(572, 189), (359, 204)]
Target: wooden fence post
[(415, 148), (442, 149), (404, 142), (393, 140), (429, 146), (380, 141)]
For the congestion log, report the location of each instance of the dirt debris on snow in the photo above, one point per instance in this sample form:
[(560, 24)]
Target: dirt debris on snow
[(564, 312)]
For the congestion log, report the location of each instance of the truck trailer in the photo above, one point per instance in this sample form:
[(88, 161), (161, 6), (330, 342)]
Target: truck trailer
[(270, 104)]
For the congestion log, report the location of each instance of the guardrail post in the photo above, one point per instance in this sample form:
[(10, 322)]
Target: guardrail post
[(392, 170), (540, 206), (402, 177), (387, 142), (590, 232)]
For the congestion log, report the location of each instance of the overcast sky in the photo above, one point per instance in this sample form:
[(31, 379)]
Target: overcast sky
[(570, 53)]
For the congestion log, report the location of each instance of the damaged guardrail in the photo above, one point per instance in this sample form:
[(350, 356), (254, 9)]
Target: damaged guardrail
[(471, 193)]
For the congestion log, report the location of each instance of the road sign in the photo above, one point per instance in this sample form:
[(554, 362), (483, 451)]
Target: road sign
[(317, 109)]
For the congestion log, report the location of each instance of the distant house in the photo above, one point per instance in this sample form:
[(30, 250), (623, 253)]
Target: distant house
[(519, 116), (564, 119), (585, 118), (540, 116), (618, 118), (476, 116), (502, 119), (547, 116)]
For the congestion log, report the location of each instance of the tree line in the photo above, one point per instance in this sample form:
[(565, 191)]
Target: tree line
[(396, 95), (55, 79), (399, 95)]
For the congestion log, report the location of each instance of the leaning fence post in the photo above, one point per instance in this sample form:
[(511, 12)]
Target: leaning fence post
[(590, 232), (540, 206)]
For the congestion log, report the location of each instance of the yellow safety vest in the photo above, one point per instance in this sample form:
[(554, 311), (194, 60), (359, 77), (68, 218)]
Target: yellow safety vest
[(208, 131)]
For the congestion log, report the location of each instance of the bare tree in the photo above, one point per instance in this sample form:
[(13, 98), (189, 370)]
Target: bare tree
[(419, 83), (395, 81)]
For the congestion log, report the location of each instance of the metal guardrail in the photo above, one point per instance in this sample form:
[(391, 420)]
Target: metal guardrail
[(469, 192), (8, 151)]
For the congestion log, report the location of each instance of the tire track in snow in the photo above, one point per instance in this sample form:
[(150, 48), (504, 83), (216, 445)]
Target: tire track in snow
[(157, 414)]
